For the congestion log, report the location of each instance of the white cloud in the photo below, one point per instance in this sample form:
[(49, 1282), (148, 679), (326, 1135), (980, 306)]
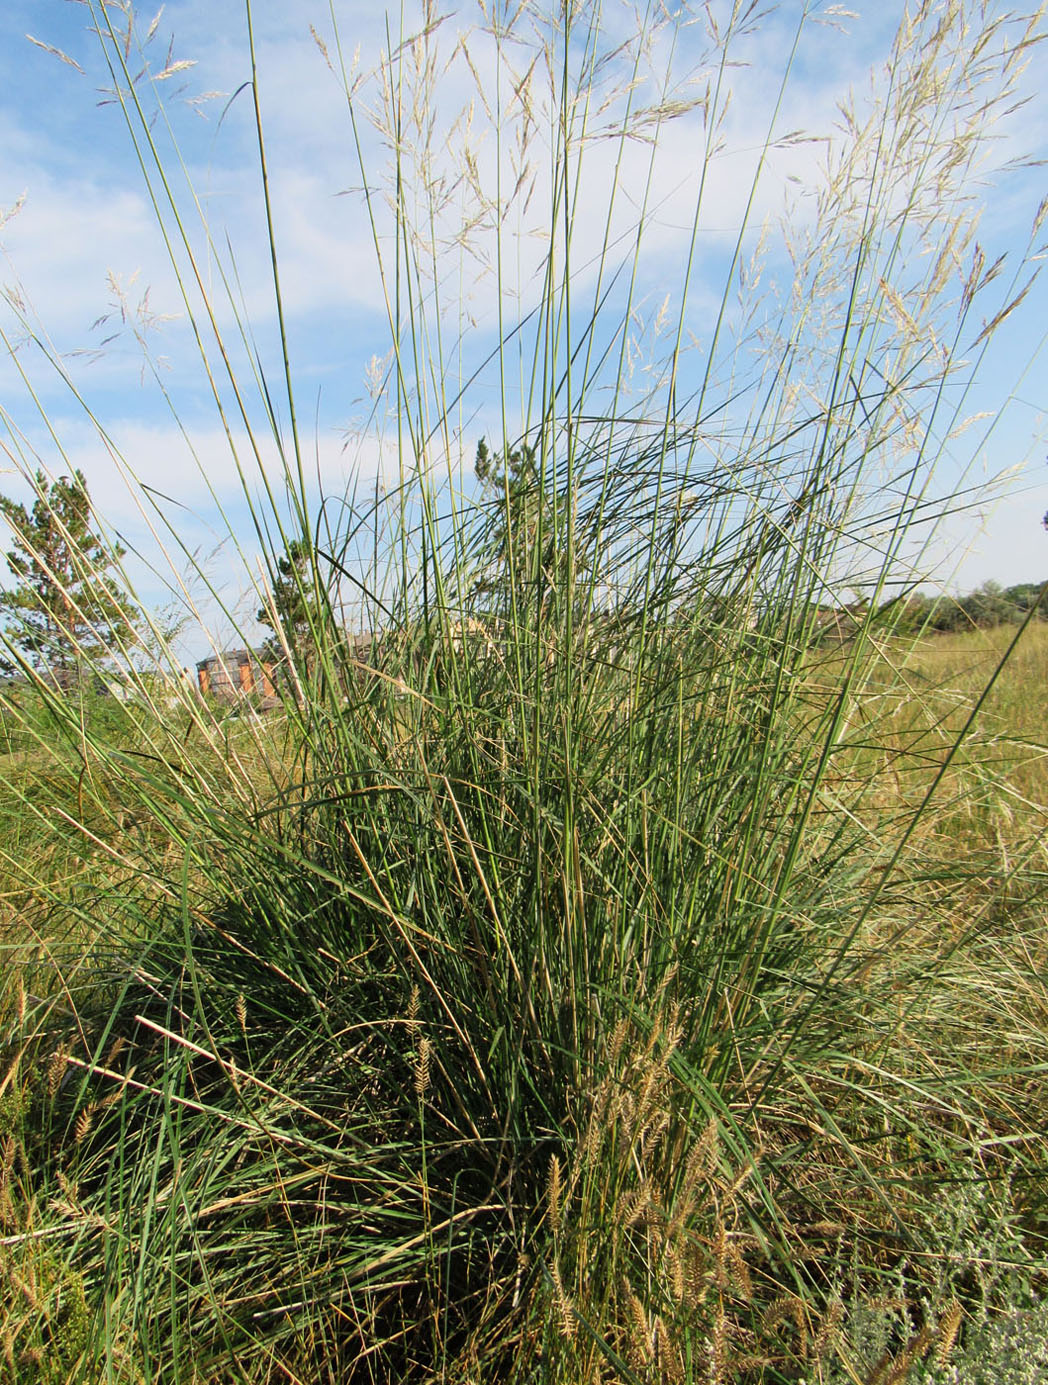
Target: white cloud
[(69, 237)]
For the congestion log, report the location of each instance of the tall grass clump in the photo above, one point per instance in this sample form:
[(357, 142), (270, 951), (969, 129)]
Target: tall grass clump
[(557, 988)]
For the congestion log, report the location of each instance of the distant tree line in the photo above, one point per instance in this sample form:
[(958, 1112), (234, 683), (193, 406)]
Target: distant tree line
[(990, 605)]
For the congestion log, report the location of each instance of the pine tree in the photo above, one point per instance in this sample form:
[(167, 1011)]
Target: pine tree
[(295, 610), (67, 610), (526, 538)]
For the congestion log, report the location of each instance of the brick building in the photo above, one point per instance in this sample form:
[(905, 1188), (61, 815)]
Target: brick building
[(236, 673)]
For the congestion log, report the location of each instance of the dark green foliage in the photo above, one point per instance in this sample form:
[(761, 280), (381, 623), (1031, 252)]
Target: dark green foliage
[(529, 518), (294, 608), (1028, 595), (983, 609), (299, 614), (67, 611)]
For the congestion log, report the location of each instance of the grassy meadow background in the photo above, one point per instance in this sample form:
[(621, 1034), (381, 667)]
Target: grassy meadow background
[(609, 971)]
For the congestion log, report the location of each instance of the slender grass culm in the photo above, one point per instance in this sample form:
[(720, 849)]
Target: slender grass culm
[(576, 977)]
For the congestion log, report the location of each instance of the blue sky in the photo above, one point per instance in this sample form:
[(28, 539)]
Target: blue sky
[(83, 247)]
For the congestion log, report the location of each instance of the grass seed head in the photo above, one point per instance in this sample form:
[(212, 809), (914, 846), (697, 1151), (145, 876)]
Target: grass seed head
[(565, 1310), (829, 1332), (947, 1334), (84, 1121), (422, 1068), (718, 1349), (640, 1338), (56, 1070), (554, 1194), (411, 1014), (668, 1359)]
